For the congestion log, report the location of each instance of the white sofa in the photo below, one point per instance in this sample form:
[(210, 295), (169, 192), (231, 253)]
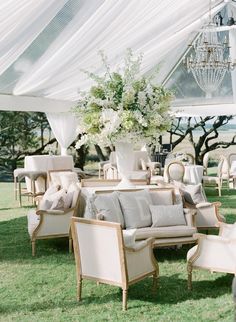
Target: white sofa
[(149, 213)]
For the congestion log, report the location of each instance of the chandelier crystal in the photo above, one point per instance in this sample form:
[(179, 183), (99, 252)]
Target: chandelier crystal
[(210, 59)]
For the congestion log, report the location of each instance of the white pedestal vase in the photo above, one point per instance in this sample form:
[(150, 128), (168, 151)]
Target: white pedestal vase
[(125, 163)]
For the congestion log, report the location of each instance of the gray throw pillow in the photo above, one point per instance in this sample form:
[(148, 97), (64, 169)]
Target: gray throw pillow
[(193, 194), (135, 208), (108, 206), (163, 216)]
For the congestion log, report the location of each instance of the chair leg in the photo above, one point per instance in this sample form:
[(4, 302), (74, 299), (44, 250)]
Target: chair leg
[(70, 244), (189, 269), (33, 247), (19, 191), (124, 299), (79, 289), (219, 189), (15, 188), (155, 282)]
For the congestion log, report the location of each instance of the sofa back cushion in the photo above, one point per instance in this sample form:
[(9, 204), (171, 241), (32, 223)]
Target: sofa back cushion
[(162, 197), (135, 208), (163, 216), (108, 207)]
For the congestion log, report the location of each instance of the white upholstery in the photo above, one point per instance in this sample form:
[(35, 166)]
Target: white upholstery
[(99, 248), (100, 255), (134, 216), (51, 223), (175, 171), (165, 232), (215, 253)]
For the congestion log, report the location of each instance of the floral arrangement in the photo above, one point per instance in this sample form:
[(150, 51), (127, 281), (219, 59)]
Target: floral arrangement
[(122, 106)]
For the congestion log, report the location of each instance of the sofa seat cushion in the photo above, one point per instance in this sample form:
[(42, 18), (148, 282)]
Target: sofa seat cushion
[(33, 221), (165, 232)]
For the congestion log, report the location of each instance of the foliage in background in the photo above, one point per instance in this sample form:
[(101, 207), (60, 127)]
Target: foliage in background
[(22, 133), (208, 139), (123, 105)]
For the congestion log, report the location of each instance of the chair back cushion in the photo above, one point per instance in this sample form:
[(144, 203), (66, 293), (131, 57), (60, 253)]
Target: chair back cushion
[(135, 208), (97, 246)]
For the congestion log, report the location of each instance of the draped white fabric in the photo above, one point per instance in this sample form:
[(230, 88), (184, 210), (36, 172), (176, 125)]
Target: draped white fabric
[(44, 44), (63, 126), (20, 23), (113, 26)]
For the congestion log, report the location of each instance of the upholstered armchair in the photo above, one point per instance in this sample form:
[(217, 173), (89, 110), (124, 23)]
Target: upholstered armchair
[(100, 255), (214, 253), (52, 223), (207, 213)]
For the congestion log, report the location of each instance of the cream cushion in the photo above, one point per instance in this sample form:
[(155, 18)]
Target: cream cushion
[(73, 188), (58, 199), (162, 197), (46, 202), (67, 178), (191, 252), (192, 194), (109, 208), (129, 237), (135, 208), (163, 216), (165, 232)]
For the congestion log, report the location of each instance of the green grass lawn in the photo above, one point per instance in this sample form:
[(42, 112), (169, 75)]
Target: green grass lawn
[(44, 288)]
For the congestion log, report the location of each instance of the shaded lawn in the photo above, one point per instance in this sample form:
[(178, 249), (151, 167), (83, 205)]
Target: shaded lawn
[(44, 288)]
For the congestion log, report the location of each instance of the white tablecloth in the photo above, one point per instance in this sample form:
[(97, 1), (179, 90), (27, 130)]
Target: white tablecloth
[(193, 174), (233, 168), (45, 163)]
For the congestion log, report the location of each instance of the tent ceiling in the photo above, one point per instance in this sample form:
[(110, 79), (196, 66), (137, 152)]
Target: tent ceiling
[(48, 42)]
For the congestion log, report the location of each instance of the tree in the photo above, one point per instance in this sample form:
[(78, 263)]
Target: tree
[(209, 133), (22, 134)]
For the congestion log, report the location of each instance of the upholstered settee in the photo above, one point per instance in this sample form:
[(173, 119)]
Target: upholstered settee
[(156, 213)]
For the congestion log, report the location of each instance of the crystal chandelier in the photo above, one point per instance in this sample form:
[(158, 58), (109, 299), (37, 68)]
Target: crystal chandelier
[(210, 60)]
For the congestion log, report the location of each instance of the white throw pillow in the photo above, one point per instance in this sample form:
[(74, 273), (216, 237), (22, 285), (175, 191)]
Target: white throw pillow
[(193, 194), (129, 237), (73, 188), (56, 176), (162, 197), (163, 216), (232, 232), (68, 178), (46, 203), (135, 208), (58, 199), (108, 206)]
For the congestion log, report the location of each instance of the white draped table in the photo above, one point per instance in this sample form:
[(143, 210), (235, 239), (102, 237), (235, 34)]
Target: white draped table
[(193, 174), (46, 163)]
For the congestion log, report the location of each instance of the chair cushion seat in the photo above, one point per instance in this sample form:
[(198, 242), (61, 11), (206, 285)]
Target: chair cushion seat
[(209, 179), (165, 232), (33, 221)]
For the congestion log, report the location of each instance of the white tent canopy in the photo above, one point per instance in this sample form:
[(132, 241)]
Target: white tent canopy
[(45, 44)]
